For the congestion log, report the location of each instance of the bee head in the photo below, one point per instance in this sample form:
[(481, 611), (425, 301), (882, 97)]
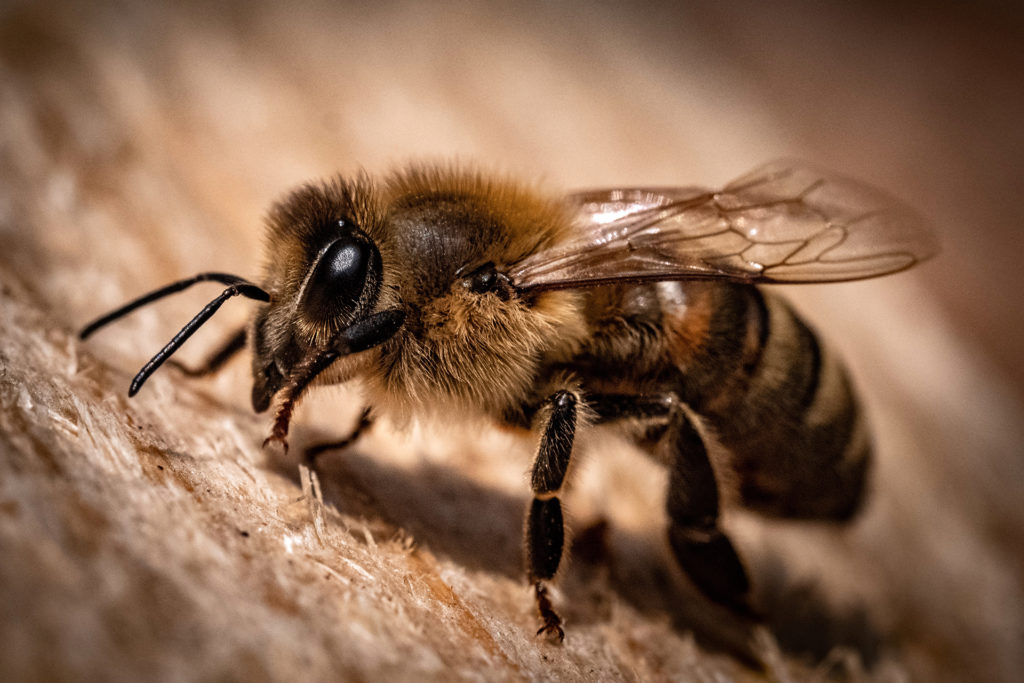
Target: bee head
[(324, 273)]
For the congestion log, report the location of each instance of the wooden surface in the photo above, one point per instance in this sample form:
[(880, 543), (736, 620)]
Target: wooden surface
[(141, 142)]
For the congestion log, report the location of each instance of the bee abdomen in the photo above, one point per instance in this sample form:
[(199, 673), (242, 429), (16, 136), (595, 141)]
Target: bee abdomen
[(787, 413)]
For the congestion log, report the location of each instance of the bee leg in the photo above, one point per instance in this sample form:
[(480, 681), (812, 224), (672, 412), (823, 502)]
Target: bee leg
[(545, 529), (365, 422), (652, 411), (702, 549), (216, 360), (359, 336)]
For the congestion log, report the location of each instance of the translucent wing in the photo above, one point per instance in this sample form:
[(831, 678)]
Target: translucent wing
[(785, 222)]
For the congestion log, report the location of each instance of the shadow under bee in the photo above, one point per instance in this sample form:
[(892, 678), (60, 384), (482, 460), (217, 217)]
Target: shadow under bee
[(479, 528), (804, 621)]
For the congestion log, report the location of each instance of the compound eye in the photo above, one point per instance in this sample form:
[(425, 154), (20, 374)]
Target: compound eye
[(340, 275)]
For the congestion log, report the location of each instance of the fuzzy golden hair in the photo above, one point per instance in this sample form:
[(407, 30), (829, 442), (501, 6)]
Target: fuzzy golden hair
[(458, 351)]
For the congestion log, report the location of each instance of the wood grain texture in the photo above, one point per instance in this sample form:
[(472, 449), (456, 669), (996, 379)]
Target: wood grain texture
[(140, 143)]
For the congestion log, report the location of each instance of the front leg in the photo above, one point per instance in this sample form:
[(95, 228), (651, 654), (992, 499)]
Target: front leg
[(545, 530)]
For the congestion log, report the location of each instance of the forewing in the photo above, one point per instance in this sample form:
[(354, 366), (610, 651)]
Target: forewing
[(785, 222)]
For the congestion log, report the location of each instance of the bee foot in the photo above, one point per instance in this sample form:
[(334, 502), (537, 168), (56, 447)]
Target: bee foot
[(552, 627), (277, 445)]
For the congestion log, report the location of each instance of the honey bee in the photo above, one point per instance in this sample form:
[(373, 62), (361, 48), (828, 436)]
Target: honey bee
[(450, 292)]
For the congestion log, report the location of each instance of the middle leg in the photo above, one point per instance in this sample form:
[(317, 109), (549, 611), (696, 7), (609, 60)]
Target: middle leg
[(702, 549)]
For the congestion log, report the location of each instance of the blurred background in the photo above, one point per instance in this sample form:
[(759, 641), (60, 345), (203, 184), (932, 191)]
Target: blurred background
[(142, 142)]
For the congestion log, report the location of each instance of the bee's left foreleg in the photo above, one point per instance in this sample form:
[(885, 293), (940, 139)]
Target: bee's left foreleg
[(545, 531), (228, 349)]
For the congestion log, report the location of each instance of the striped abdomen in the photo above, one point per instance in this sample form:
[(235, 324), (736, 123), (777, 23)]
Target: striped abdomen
[(781, 403)]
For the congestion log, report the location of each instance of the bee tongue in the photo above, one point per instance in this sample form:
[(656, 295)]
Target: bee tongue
[(298, 379), (360, 336)]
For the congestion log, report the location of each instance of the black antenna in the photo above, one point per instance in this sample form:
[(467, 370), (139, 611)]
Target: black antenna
[(243, 288), (237, 286), (223, 278)]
